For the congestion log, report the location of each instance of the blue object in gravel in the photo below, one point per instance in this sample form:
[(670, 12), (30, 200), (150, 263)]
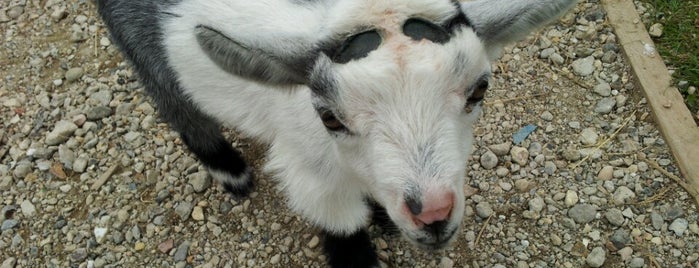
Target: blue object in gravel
[(523, 133)]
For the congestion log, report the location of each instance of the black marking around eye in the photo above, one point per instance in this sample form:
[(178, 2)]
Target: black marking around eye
[(357, 47), (419, 29)]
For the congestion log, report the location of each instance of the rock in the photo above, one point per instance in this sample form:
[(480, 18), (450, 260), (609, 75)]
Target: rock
[(620, 238), (184, 209), (606, 173), (60, 133), (74, 74), (589, 136), (614, 217), (546, 53), (500, 149), (546, 115), (550, 167), (571, 198), (656, 220), (102, 97), (8, 224), (679, 226), (9, 263), (166, 246), (673, 212), (100, 234), (314, 242), (200, 181), (596, 257), (637, 262), (6, 182), (625, 253), (15, 11), (603, 89), (522, 185), (536, 204), (582, 213), (489, 160), (181, 252), (584, 66), (28, 208), (484, 210), (656, 30), (66, 156), (622, 195), (571, 155), (99, 112), (79, 255), (446, 262), (198, 213), (139, 246), (605, 105), (609, 57), (557, 59), (519, 155)]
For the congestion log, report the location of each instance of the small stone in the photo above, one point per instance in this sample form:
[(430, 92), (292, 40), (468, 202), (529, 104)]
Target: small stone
[(28, 208), (609, 57), (522, 185), (276, 226), (605, 105), (200, 181), (622, 195), (571, 198), (79, 255), (589, 136), (656, 220), (519, 155), (536, 204), (489, 160), (6, 182), (656, 30), (637, 262), (446, 262), (679, 226), (557, 59), (596, 257), (546, 115), (100, 234), (15, 11), (74, 74), (546, 53), (184, 209), (80, 164), (105, 42), (603, 89), (582, 213), (10, 262), (60, 133), (314, 242), (166, 246), (99, 112), (198, 213), (625, 253), (500, 149), (606, 173), (571, 155), (550, 167), (139, 246), (181, 252), (614, 217), (484, 210), (620, 238), (59, 13), (584, 66), (8, 224), (673, 212)]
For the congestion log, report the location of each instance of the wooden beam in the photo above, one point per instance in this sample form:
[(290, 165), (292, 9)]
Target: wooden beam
[(671, 114)]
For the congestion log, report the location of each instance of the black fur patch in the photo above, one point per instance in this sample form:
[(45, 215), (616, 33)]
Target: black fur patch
[(380, 218), (414, 204), (353, 251)]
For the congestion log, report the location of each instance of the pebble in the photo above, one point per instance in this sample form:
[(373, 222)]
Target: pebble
[(620, 238), (184, 209), (582, 213), (9, 263), (15, 11), (166, 246), (500, 149), (546, 115), (79, 255), (8, 224), (571, 198), (596, 257), (606, 173), (61, 132), (522, 185), (99, 112), (603, 89), (100, 233), (614, 217), (572, 155), (605, 105), (200, 181), (74, 74), (679, 226), (139, 246), (446, 262), (28, 209), (625, 253), (584, 66), (550, 167), (314, 242), (198, 213), (484, 210), (673, 212), (181, 252), (656, 30), (519, 155), (656, 220), (536, 204), (637, 262), (623, 195), (589, 136), (489, 160)]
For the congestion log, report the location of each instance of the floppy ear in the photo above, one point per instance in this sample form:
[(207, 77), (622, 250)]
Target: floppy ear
[(499, 22)]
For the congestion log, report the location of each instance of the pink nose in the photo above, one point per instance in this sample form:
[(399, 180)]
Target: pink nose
[(434, 209)]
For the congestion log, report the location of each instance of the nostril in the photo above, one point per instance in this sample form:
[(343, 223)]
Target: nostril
[(414, 205), (438, 214)]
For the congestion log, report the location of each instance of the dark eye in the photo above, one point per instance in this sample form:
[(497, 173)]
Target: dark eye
[(330, 121), (357, 47), (478, 92)]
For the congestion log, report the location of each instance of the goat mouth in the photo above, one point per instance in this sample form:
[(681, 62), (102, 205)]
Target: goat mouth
[(434, 241)]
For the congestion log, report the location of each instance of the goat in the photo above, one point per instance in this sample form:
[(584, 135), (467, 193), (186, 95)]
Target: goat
[(361, 101)]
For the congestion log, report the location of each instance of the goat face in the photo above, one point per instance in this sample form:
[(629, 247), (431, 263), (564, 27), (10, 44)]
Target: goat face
[(400, 99)]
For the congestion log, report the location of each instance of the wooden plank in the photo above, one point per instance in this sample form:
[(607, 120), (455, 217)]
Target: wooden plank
[(671, 114)]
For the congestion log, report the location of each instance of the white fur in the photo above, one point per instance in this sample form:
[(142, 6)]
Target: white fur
[(403, 103)]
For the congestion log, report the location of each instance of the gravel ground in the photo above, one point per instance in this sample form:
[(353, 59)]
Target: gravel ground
[(91, 178)]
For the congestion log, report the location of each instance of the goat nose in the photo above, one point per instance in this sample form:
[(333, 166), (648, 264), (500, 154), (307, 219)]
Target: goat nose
[(430, 210)]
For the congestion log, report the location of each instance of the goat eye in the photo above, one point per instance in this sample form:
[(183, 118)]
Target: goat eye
[(418, 29), (330, 121), (479, 92), (357, 47)]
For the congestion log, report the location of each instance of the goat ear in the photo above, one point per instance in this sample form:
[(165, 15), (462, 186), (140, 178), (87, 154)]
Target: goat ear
[(259, 63), (499, 22)]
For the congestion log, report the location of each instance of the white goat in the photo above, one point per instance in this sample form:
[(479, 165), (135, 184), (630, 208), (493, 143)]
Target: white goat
[(362, 101)]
